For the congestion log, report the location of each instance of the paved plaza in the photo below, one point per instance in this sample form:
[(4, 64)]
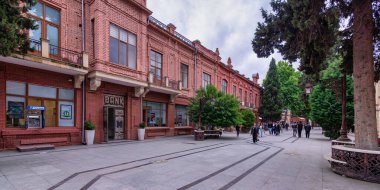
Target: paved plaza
[(276, 162)]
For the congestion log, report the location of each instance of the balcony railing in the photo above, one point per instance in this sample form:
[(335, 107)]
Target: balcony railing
[(65, 55), (164, 82), (44, 49), (35, 45), (174, 84)]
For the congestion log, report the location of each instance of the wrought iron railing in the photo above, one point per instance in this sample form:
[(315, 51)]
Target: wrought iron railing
[(165, 27), (173, 84), (183, 38), (65, 55), (35, 45), (158, 82), (157, 22), (163, 82), (57, 53)]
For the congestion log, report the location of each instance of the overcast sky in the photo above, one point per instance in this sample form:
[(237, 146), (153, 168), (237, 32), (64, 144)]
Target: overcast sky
[(225, 24)]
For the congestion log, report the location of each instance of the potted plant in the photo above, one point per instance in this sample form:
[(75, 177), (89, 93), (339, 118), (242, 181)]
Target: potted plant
[(141, 131), (89, 132)]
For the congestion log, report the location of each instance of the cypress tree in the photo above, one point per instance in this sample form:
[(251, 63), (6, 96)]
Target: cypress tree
[(271, 106)]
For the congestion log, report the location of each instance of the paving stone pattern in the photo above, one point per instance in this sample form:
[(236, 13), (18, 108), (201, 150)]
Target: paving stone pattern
[(275, 162)]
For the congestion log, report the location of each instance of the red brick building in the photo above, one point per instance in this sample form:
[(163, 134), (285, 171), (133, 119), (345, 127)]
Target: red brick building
[(113, 64)]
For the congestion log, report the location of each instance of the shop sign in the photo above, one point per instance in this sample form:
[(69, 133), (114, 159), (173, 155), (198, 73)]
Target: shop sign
[(113, 100), (66, 111), (42, 108)]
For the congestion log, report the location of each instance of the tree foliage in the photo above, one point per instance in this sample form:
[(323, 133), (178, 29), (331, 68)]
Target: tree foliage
[(271, 106), (290, 90), (226, 111), (307, 30), (299, 30), (214, 108), (325, 104), (248, 117), (13, 26)]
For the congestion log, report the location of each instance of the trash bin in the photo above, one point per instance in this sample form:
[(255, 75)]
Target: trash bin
[(199, 135)]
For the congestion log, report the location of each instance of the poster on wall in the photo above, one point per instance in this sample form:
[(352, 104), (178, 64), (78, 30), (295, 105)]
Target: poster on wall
[(66, 111), (15, 109)]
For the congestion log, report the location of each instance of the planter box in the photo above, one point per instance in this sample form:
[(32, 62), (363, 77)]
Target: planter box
[(90, 135), (141, 134), (199, 135)]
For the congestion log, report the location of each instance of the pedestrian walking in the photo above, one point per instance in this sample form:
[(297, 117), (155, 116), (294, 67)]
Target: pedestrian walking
[(254, 133), (307, 130), (270, 127), (237, 127), (299, 127), (294, 127), (286, 126), (261, 129)]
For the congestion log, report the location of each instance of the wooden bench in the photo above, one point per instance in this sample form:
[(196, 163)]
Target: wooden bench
[(43, 140), (39, 143), (213, 133)]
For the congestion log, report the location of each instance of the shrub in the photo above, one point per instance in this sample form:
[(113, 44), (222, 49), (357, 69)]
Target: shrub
[(88, 125), (142, 125)]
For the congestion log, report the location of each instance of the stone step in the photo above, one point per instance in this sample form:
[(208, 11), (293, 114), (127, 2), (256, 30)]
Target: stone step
[(26, 148)]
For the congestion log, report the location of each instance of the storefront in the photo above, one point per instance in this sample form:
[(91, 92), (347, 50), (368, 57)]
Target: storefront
[(39, 107), (58, 104)]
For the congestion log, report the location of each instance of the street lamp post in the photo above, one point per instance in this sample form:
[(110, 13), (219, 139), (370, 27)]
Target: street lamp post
[(343, 129), (308, 90)]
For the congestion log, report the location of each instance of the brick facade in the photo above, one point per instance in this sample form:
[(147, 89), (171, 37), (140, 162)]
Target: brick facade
[(104, 78)]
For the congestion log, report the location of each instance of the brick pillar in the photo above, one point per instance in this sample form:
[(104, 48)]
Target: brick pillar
[(2, 97), (170, 122)]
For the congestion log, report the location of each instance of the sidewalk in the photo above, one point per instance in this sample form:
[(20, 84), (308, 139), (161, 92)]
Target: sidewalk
[(275, 162)]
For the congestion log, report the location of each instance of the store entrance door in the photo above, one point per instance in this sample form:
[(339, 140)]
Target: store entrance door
[(114, 123), (114, 118)]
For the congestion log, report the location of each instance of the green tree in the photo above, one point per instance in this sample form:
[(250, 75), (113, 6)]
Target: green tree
[(248, 119), (307, 30), (326, 100), (226, 111), (290, 91), (325, 110), (271, 106), (213, 108), (13, 26)]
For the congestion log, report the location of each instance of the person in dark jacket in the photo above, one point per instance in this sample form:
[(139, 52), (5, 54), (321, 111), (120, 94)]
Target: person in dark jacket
[(237, 130), (270, 128), (294, 127), (307, 130), (254, 133), (299, 127)]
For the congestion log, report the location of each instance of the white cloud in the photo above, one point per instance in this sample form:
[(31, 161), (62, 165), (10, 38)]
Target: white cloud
[(225, 24)]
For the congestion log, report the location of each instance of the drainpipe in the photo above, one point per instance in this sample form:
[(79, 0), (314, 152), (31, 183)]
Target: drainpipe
[(84, 81), (141, 109), (195, 69)]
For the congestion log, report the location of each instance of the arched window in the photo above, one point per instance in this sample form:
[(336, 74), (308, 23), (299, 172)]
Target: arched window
[(224, 86)]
